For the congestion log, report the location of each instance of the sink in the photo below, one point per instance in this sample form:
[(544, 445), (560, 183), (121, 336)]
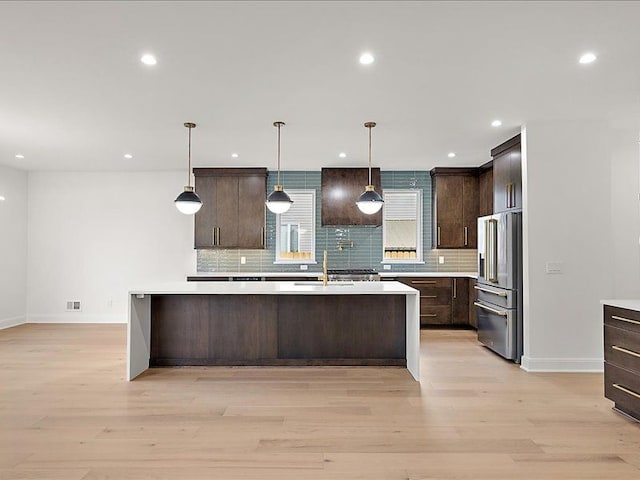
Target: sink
[(318, 283)]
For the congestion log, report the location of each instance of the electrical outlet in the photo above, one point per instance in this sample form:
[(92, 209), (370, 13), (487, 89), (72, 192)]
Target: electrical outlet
[(553, 267), (243, 260), (387, 267), (73, 306), (304, 267), (441, 259), (110, 303)]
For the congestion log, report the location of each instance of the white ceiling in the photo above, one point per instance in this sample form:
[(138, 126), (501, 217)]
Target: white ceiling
[(74, 95)]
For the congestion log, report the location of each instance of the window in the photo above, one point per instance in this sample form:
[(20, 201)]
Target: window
[(402, 226), (295, 229)]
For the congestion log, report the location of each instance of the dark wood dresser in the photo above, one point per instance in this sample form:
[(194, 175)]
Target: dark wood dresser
[(622, 359)]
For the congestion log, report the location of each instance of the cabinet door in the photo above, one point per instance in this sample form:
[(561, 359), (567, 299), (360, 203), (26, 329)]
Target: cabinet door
[(449, 232), (486, 193), (251, 212), (516, 177), (460, 301), (470, 211), (227, 211), (206, 218), (501, 182)]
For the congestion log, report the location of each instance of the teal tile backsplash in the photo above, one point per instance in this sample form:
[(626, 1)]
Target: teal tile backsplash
[(367, 241)]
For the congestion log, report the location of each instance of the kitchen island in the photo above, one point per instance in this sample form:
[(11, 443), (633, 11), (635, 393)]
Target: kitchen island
[(273, 323)]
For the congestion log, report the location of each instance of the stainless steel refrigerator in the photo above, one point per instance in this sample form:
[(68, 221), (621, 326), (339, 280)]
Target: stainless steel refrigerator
[(499, 287)]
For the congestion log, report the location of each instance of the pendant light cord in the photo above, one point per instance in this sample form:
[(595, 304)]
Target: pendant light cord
[(370, 154), (189, 170), (278, 153)]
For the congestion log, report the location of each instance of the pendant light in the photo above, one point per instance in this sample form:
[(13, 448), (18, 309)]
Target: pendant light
[(278, 201), (369, 202), (188, 202)]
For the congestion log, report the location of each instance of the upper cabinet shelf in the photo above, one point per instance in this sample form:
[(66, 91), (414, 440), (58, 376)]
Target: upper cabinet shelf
[(233, 208), (341, 188)]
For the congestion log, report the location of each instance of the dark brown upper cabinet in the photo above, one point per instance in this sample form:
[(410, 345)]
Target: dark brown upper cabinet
[(485, 181), (341, 188), (233, 208), (507, 176), (455, 207)]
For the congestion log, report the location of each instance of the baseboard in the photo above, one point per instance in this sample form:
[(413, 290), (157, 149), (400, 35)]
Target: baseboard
[(12, 321), (585, 365), (75, 317)]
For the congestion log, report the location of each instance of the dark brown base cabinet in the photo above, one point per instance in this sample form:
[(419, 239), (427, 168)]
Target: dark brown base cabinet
[(443, 300), (278, 330), (622, 359)]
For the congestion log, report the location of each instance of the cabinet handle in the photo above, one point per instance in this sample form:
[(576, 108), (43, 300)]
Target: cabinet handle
[(423, 282), (213, 236), (428, 315), (438, 235), (218, 236), (624, 350), (513, 195), (428, 296), (455, 288), (466, 236), (626, 390), (628, 320), (262, 237)]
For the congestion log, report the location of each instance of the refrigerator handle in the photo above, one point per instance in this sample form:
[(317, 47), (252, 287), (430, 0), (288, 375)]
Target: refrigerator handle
[(491, 253)]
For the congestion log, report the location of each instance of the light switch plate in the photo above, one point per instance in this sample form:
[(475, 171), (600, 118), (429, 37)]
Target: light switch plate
[(386, 267), (441, 259), (304, 267), (554, 267), (243, 260)]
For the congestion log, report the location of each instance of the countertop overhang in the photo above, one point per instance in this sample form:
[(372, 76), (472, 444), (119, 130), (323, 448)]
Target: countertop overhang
[(628, 304)]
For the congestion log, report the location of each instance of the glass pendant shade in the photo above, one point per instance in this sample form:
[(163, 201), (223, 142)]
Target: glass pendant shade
[(278, 201), (188, 202), (370, 201)]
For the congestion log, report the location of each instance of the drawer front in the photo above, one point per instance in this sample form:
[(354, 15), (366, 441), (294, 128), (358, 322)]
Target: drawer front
[(622, 318), (623, 387), (435, 315), (435, 296), (416, 282), (622, 348)]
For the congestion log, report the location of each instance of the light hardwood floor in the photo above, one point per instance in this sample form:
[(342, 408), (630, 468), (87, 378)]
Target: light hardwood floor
[(66, 412)]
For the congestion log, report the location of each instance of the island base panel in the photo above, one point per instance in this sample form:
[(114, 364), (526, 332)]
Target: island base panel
[(278, 330)]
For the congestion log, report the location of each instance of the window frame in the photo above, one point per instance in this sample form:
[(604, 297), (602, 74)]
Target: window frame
[(419, 228), (297, 261)]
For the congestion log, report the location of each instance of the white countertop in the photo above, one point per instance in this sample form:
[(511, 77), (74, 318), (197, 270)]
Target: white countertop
[(275, 288), (628, 304), (303, 273)]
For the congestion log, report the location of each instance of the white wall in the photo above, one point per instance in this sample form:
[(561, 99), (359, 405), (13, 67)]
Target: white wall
[(13, 246), (625, 213), (94, 236), (567, 218)]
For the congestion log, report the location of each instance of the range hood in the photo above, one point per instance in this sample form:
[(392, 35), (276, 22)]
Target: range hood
[(341, 188)]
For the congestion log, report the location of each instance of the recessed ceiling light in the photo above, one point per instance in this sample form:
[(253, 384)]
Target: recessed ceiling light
[(128, 156), (588, 58), (342, 155), (234, 155), (148, 59), (496, 123), (1, 198), (451, 154), (19, 155), (366, 59)]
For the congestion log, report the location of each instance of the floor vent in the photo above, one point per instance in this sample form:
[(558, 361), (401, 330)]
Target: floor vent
[(73, 306)]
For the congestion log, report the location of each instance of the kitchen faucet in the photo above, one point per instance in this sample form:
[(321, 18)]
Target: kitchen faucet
[(325, 276)]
